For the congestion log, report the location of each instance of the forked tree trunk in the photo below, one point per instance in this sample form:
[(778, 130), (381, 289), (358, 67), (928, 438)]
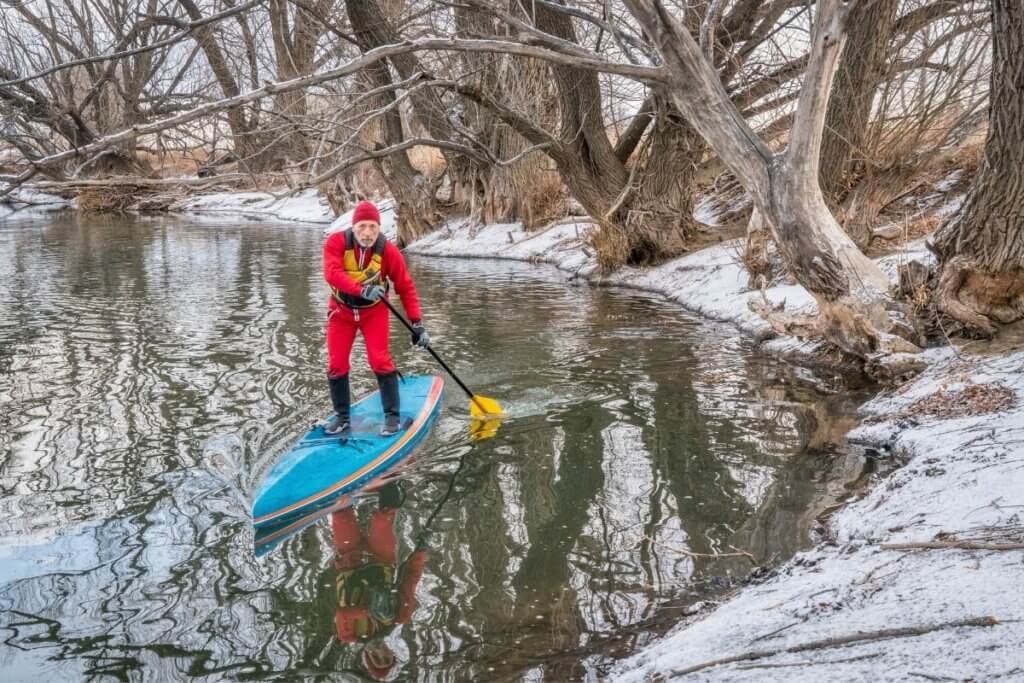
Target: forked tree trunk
[(657, 214), (981, 248), (849, 288), (644, 208)]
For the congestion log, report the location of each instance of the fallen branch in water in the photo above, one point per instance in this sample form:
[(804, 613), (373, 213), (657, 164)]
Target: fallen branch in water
[(839, 641), (710, 556)]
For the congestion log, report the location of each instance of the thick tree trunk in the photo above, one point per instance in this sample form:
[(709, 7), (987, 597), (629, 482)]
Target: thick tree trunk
[(861, 68), (247, 142), (849, 288), (981, 248), (415, 195), (658, 213), (294, 51)]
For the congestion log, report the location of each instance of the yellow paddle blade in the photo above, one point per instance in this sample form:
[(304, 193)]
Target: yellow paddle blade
[(483, 429), (482, 407)]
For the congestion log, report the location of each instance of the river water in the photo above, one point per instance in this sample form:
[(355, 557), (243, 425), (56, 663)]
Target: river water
[(152, 369)]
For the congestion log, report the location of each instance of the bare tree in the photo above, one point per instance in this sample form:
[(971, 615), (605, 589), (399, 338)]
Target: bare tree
[(74, 105), (981, 248), (906, 92), (848, 287)]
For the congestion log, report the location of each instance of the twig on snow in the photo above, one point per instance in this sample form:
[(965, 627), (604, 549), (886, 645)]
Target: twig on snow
[(962, 545), (781, 665), (840, 641)]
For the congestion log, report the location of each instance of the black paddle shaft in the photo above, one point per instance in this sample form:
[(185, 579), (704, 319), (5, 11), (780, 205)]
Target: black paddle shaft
[(433, 353)]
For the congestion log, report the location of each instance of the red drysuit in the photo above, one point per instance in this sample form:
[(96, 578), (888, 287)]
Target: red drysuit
[(366, 565), (373, 321)]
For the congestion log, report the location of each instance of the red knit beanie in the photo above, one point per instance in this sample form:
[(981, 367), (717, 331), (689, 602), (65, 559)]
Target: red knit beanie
[(365, 211)]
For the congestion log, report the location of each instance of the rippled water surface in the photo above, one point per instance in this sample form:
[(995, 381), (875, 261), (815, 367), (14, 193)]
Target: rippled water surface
[(151, 370)]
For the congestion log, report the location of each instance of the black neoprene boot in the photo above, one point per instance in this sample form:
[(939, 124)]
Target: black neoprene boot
[(341, 400), (389, 401)]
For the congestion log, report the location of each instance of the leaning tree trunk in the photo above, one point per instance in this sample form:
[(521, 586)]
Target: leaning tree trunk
[(981, 248), (861, 68), (374, 28), (849, 288), (295, 45), (413, 192), (245, 135)]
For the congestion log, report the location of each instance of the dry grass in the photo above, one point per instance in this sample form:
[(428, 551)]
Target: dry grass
[(542, 201), (109, 198), (973, 399)]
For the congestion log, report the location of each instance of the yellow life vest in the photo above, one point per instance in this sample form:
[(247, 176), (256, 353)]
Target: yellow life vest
[(371, 587), (369, 274)]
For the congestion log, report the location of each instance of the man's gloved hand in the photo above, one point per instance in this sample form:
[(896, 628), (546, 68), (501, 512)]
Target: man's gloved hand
[(419, 335), (373, 292), (423, 539)]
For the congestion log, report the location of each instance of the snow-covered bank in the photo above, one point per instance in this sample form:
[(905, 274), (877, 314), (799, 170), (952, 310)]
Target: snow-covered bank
[(963, 480), (306, 207), (711, 282), (28, 203)]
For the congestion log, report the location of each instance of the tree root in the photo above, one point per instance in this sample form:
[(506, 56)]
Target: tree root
[(841, 641), (976, 299), (863, 329)]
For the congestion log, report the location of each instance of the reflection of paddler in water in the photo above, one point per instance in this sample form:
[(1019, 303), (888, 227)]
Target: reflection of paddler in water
[(375, 593)]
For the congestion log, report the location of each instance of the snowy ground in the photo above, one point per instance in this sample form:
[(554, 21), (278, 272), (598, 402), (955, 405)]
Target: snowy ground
[(963, 477), (307, 206)]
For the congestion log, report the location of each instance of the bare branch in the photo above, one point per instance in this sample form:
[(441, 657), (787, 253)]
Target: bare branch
[(189, 29), (272, 88)]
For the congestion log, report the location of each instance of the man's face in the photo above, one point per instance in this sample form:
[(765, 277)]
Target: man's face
[(366, 233)]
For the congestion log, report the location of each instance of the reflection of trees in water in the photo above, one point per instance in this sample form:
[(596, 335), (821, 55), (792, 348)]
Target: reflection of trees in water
[(704, 492), (546, 605)]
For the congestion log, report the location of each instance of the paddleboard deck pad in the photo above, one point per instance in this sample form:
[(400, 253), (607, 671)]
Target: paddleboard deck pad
[(322, 468)]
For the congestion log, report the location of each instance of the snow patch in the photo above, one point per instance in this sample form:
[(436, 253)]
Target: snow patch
[(304, 207), (27, 203)]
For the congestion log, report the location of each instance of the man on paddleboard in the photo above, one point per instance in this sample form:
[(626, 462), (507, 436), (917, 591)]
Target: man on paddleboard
[(360, 265)]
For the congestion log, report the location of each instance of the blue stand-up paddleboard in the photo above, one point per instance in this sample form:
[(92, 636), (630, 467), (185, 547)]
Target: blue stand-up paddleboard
[(322, 471)]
